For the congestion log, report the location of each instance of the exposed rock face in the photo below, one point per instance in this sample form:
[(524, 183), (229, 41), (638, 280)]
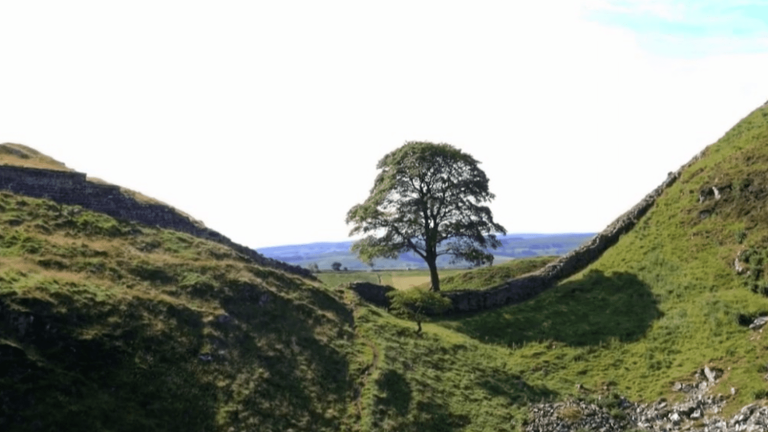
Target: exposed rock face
[(699, 412), (573, 416), (72, 188), (758, 323)]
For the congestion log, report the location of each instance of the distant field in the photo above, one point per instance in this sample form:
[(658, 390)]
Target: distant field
[(450, 279), (400, 279), (514, 246)]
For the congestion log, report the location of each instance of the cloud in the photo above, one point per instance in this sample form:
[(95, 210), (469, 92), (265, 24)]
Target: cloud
[(675, 28)]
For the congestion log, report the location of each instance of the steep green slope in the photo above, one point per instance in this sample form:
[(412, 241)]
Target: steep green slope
[(666, 300), (112, 326)]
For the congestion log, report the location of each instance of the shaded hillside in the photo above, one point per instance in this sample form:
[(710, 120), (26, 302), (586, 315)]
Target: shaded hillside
[(114, 326)]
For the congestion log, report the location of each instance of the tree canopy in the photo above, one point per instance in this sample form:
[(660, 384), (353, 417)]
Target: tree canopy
[(427, 198)]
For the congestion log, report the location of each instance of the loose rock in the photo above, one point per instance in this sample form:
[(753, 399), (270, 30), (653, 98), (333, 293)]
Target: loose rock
[(758, 323)]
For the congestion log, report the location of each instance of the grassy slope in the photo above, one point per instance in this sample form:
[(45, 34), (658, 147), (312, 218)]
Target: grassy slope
[(113, 326), (665, 300), (662, 303), (486, 277), (399, 279), (21, 155), (107, 325)]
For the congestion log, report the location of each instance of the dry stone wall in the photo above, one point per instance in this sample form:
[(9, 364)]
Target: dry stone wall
[(528, 286), (73, 188)]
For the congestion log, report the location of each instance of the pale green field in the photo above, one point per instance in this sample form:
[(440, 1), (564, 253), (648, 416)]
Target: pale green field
[(400, 279)]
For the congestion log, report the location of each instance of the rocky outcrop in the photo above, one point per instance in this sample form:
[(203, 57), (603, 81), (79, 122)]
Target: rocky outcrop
[(698, 412), (575, 415), (528, 286), (72, 188)]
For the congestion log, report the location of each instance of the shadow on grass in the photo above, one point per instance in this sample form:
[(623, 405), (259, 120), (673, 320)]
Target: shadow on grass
[(75, 364), (516, 390), (397, 393), (588, 311), (307, 377), (393, 408), (87, 365)]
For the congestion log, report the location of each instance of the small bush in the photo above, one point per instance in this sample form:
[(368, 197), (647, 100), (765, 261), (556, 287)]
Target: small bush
[(618, 414), (760, 394), (415, 304), (572, 414)]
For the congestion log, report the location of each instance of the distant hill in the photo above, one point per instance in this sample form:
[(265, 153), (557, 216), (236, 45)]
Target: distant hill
[(513, 246)]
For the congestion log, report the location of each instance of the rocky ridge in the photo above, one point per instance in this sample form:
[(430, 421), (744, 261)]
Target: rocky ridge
[(74, 188)]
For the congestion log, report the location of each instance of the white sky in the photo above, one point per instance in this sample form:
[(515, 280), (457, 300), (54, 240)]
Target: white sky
[(265, 119)]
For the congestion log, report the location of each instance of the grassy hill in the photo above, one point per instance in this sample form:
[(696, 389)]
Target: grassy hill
[(667, 299), (110, 325), (487, 277), (21, 155)]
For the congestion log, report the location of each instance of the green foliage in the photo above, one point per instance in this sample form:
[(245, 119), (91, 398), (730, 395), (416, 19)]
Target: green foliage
[(571, 414), (618, 414), (760, 394), (415, 304), (427, 198), (741, 235), (754, 260)]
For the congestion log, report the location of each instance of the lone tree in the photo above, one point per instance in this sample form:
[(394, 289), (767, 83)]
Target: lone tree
[(336, 266), (427, 198)]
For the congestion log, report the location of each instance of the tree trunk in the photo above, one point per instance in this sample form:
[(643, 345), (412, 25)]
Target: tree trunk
[(418, 323), (433, 274)]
